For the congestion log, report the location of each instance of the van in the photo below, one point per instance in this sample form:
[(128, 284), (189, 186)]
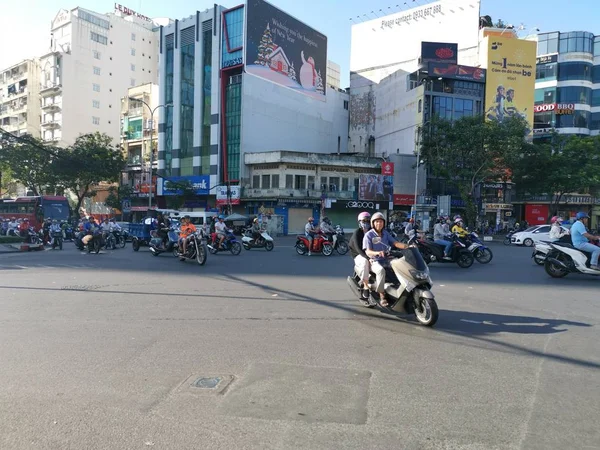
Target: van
[(198, 218)]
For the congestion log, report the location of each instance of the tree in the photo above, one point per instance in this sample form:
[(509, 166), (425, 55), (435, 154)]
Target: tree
[(486, 22), (116, 195), (28, 160), (265, 48), (90, 160), (469, 151)]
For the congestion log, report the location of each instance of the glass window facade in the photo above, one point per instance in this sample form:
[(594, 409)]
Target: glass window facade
[(186, 148), (595, 121), (575, 71), (544, 120), (596, 73), (574, 94), (547, 43), (576, 41), (83, 15), (233, 38), (206, 98), (579, 119), (442, 107), (233, 100), (596, 97), (169, 56), (597, 46), (545, 96), (546, 71), (98, 38), (453, 108)]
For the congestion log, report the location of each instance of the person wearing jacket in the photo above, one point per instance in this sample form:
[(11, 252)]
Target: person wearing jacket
[(361, 260), (439, 237), (556, 231)]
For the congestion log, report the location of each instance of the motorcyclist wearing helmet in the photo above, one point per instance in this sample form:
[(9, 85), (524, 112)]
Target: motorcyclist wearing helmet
[(221, 230), (581, 239), (439, 237), (375, 244), (556, 231), (256, 234), (458, 228), (361, 260), (310, 231), (328, 230), (163, 225)]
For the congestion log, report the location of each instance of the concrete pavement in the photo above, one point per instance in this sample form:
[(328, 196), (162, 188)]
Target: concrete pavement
[(106, 352)]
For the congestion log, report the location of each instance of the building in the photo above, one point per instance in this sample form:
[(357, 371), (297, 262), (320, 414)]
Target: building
[(271, 95), (139, 134), (19, 98), (567, 86), (333, 75), (93, 59)]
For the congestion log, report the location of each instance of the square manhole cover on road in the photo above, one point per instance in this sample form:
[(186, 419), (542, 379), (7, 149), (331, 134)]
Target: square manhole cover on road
[(310, 394), (206, 384)]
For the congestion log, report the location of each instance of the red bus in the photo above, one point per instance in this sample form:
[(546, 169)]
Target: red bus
[(36, 209)]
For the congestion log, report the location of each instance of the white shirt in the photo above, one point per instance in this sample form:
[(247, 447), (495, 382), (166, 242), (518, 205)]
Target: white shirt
[(114, 227), (309, 228), (220, 227), (556, 232)]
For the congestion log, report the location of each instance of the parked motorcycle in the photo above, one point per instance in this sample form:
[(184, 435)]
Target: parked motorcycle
[(172, 246), (57, 240), (563, 259), (196, 249), (320, 245), (230, 244), (481, 252), (433, 252), (264, 241), (407, 286)]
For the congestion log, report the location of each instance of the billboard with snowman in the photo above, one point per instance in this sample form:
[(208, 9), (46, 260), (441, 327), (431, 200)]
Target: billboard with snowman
[(285, 51)]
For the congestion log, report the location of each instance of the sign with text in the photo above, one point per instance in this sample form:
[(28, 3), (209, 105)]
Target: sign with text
[(438, 52), (387, 169), (284, 50), (547, 59), (175, 185), (221, 192), (130, 12), (489, 206), (404, 199), (558, 108), (456, 72)]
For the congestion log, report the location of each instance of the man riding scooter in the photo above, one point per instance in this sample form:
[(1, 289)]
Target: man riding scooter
[(581, 239), (328, 230), (256, 232)]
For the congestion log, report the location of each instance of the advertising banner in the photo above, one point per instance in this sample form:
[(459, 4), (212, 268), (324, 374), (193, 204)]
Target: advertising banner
[(439, 52), (284, 50), (387, 169), (376, 188), (221, 192), (537, 214), (457, 72), (404, 199), (510, 83), (547, 59), (173, 185)]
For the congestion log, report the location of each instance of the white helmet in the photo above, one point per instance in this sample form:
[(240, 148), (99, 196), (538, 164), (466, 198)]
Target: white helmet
[(377, 216)]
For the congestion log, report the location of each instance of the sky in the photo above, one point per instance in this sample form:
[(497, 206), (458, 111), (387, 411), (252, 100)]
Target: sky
[(25, 24)]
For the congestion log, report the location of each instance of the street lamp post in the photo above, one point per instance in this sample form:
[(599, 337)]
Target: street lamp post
[(152, 111)]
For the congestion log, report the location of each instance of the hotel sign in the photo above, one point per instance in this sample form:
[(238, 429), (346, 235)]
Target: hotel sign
[(131, 12)]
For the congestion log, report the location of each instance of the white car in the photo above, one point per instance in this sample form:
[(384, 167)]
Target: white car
[(532, 235)]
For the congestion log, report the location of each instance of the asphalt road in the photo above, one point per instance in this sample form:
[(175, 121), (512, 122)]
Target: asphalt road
[(104, 352)]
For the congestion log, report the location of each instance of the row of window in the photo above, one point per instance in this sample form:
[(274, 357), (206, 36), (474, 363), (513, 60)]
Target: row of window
[(579, 71), (571, 94), (332, 184), (576, 41), (579, 119)]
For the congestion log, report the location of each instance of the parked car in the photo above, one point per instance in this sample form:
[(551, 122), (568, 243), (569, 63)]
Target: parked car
[(532, 235)]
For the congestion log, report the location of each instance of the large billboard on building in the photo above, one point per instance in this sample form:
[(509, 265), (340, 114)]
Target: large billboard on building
[(376, 187), (510, 86), (284, 50), (438, 52)]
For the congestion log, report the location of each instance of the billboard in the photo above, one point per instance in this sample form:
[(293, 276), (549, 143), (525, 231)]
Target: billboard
[(285, 51), (510, 83), (173, 185), (457, 72), (439, 52), (376, 187), (221, 193)]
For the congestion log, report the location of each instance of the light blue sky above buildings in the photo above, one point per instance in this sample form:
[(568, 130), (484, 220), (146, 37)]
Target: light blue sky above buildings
[(25, 24)]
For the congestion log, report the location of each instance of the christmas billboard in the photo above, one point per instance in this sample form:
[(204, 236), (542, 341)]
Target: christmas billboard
[(285, 51)]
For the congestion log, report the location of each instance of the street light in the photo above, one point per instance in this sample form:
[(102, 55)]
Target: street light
[(152, 111)]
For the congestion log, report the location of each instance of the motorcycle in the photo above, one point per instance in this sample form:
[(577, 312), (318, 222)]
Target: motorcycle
[(563, 259), (57, 240), (172, 246), (508, 237), (95, 243), (264, 241), (340, 245), (541, 249), (109, 240), (195, 250), (433, 252), (230, 244), (33, 237), (320, 245), (481, 252), (407, 287)]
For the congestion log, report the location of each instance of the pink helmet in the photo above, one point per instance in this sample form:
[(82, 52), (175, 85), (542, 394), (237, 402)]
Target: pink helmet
[(364, 216)]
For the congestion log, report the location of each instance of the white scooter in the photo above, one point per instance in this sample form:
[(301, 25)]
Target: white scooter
[(265, 241), (563, 259), (541, 249), (407, 286)]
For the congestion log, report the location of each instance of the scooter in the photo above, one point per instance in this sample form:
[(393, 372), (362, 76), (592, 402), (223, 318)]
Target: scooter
[(563, 259), (407, 287), (157, 247), (57, 240), (340, 245), (542, 248), (230, 244), (264, 241), (482, 253), (320, 244), (433, 252)]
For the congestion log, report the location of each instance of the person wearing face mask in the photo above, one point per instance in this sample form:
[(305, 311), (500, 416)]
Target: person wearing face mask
[(361, 260)]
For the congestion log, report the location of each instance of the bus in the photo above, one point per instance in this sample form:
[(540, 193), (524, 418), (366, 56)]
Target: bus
[(36, 209)]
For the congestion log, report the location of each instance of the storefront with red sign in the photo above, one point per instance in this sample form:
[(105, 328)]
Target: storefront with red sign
[(537, 214)]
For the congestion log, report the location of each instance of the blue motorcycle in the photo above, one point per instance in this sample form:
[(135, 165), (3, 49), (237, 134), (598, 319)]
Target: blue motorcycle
[(230, 244), (480, 251)]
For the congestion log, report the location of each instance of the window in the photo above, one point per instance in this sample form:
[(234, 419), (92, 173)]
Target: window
[(597, 46), (546, 71), (323, 183), (462, 108), (311, 182), (187, 65), (579, 119), (266, 181), (420, 107), (576, 41), (344, 184), (442, 107), (275, 181), (334, 183), (595, 121), (133, 36), (543, 120), (95, 103), (574, 94), (83, 15), (96, 54), (133, 52), (96, 70), (96, 87), (596, 72), (132, 82), (133, 67), (596, 97), (300, 182), (289, 181), (256, 182), (575, 71), (547, 43), (544, 96), (98, 38), (169, 57), (346, 104), (96, 120)]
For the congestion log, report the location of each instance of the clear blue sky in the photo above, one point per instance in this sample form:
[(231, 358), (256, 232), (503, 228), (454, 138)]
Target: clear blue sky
[(25, 24)]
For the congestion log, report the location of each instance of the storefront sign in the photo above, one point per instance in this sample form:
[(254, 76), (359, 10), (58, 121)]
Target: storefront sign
[(361, 205), (175, 185), (438, 52), (547, 59), (131, 12), (558, 108), (542, 131), (493, 185), (221, 192), (496, 206), (404, 199), (456, 72), (387, 169)]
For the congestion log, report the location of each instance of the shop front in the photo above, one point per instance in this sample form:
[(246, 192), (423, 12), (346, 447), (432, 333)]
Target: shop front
[(498, 215), (293, 213), (537, 214), (345, 213)]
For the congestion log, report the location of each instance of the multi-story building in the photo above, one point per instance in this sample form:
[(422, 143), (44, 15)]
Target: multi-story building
[(19, 98), (229, 101), (139, 134), (333, 75), (567, 87), (93, 59)]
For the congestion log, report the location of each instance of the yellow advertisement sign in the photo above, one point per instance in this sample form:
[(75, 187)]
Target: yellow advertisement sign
[(510, 85)]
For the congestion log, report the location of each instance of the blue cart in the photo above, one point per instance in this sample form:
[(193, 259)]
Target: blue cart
[(140, 235)]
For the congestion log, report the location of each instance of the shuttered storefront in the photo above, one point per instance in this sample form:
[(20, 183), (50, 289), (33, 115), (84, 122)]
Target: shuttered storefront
[(297, 218)]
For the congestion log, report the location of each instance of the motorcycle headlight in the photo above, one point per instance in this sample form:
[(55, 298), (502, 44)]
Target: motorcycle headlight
[(419, 274)]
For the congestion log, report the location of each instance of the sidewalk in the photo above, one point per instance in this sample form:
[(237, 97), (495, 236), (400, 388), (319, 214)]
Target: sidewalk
[(8, 248)]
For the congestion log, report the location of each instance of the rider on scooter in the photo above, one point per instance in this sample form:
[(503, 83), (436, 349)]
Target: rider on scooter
[(256, 234), (221, 230), (309, 231), (328, 230), (375, 243), (361, 260), (581, 239)]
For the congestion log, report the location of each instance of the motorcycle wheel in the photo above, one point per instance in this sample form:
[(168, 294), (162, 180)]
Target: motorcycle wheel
[(121, 242), (327, 249), (213, 249), (96, 247), (135, 244), (506, 241), (301, 248), (201, 255), (538, 258), (246, 246), (465, 260), (154, 252), (483, 255), (175, 251), (236, 248), (342, 248), (269, 246), (60, 244), (553, 270), (426, 311)]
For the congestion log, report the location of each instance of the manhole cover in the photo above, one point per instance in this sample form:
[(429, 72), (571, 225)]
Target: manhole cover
[(207, 382)]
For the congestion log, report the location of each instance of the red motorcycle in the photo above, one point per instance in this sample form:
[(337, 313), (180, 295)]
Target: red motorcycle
[(320, 244)]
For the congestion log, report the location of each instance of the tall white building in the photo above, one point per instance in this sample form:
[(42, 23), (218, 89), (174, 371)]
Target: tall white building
[(19, 98), (93, 60), (333, 75)]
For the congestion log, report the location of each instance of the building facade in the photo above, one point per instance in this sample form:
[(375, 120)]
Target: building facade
[(19, 98), (92, 61), (222, 110), (567, 88)]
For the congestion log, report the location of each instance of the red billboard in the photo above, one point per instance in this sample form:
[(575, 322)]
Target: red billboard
[(387, 169), (537, 214), (456, 72), (404, 199)]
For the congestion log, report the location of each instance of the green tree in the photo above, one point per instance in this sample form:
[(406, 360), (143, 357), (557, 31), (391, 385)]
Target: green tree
[(469, 151), (90, 160), (486, 21), (116, 195)]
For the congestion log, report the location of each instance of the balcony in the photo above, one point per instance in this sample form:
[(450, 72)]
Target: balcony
[(51, 124), (298, 193), (50, 89), (52, 107)]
